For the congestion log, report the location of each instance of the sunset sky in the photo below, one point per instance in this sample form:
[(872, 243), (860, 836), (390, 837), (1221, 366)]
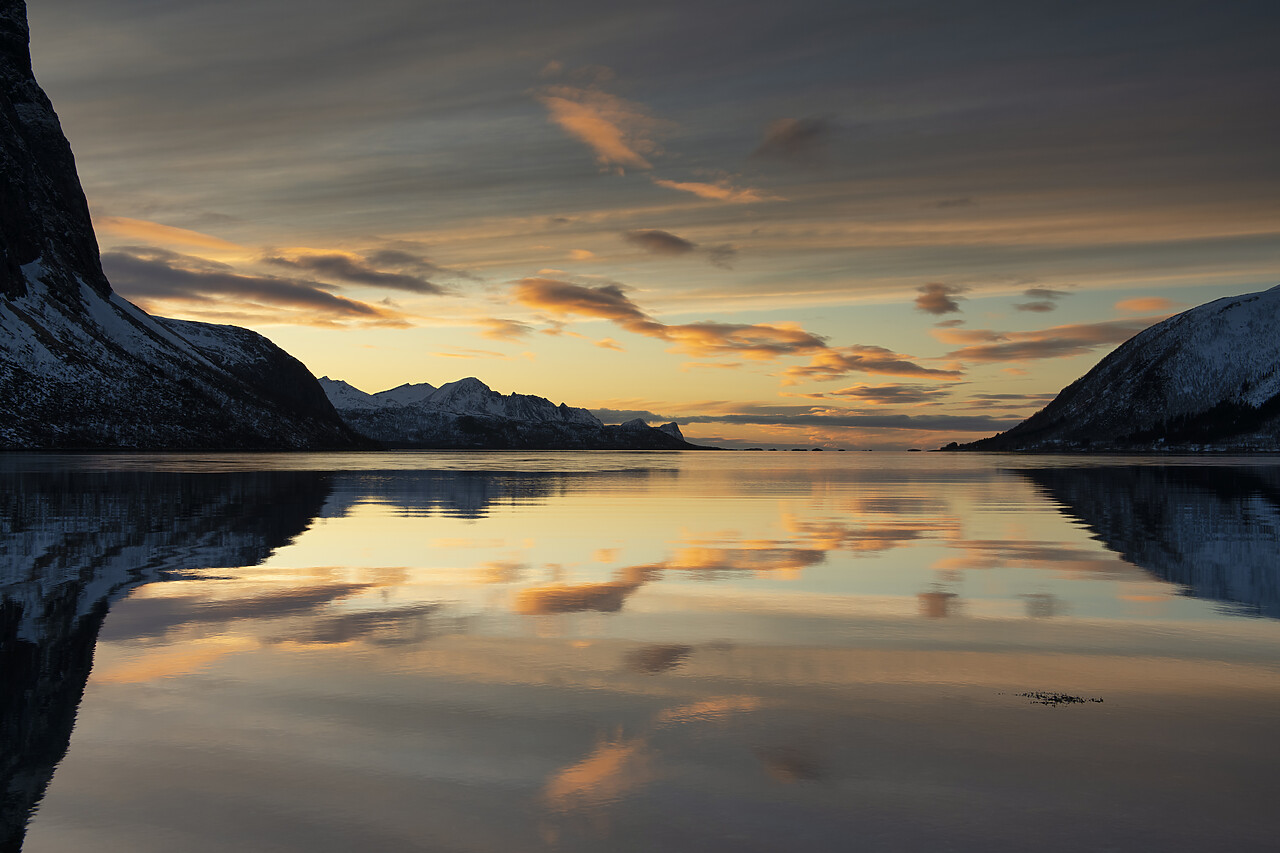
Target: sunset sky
[(856, 224)]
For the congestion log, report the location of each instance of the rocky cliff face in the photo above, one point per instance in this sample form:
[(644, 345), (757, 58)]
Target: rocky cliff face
[(43, 213), (1208, 378), (469, 414), (82, 367)]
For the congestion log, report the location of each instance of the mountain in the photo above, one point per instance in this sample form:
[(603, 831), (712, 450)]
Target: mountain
[(469, 414), (1206, 379), (82, 367)]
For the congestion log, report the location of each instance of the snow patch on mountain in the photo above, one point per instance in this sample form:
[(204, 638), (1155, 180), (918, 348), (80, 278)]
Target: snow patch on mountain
[(404, 395), (468, 413), (1209, 377)]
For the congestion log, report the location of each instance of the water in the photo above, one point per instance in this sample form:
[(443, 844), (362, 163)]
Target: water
[(616, 652)]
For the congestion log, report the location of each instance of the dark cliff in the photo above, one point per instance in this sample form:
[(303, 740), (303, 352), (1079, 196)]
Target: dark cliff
[(80, 367)]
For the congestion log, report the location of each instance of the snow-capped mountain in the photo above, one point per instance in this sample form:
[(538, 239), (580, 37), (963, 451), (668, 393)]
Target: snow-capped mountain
[(468, 413), (82, 367), (1208, 378)]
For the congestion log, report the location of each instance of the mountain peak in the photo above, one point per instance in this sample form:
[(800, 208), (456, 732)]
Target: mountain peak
[(469, 414), (44, 215), (1208, 377)]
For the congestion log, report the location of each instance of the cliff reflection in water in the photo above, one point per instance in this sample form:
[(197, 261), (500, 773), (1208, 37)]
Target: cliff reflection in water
[(73, 542), (1215, 531), (628, 657)]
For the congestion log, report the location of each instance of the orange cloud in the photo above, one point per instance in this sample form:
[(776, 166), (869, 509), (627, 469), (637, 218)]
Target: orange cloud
[(721, 191), (1146, 305), (498, 329), (609, 302), (156, 234), (619, 132), (758, 340), (837, 363)]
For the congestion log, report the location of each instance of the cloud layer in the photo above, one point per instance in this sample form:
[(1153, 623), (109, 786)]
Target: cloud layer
[(203, 287), (610, 302)]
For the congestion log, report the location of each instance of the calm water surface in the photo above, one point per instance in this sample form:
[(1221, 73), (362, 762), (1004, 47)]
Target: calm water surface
[(617, 652)]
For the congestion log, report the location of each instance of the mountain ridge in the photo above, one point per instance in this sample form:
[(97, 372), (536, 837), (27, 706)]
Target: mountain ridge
[(1205, 379), (469, 414)]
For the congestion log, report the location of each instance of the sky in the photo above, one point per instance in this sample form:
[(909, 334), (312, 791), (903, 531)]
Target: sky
[(838, 224)]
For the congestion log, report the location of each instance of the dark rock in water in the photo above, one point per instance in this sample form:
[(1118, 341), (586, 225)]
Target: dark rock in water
[(467, 414), (81, 367), (1207, 379)]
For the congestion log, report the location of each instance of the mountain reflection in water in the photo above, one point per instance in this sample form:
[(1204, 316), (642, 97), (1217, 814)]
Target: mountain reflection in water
[(1213, 530), (715, 652), (71, 543)]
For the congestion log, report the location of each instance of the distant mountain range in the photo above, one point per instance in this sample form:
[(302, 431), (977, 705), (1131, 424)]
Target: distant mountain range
[(1206, 379), (469, 414)]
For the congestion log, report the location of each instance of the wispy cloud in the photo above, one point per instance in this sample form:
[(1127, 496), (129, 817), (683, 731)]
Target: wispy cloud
[(619, 132), (719, 191), (660, 242), (609, 302), (1147, 305), (836, 363), (1007, 401), (198, 285), (153, 233), (892, 394), (826, 418), (796, 140), (498, 329), (986, 345), (355, 270)]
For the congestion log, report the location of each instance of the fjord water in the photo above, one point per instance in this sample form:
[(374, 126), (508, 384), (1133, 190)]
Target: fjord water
[(610, 651)]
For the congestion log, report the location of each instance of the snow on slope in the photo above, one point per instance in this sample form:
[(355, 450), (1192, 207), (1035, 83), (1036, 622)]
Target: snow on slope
[(469, 414), (467, 396), (79, 368), (1206, 376), (404, 395)]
